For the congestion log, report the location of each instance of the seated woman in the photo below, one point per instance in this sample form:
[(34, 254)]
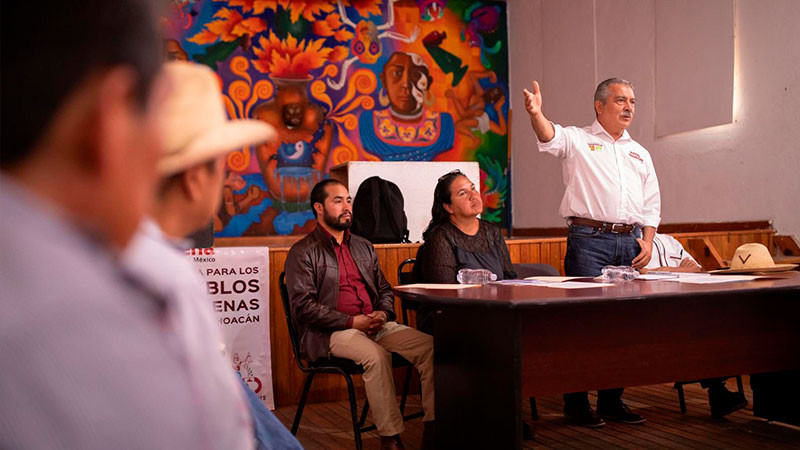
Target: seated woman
[(456, 238)]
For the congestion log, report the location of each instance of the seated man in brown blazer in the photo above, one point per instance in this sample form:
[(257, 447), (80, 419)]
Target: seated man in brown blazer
[(343, 306)]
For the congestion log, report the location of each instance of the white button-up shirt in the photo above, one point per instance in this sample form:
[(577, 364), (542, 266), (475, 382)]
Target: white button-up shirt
[(667, 252), (85, 362), (606, 180), (219, 398)]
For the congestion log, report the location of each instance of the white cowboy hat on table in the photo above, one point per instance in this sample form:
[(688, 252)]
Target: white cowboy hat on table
[(751, 258), (194, 124)]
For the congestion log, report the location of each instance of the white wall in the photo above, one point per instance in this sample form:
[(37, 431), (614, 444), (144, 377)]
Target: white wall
[(743, 171), (416, 180)]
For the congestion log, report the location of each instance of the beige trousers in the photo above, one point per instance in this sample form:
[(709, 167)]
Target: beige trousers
[(374, 353)]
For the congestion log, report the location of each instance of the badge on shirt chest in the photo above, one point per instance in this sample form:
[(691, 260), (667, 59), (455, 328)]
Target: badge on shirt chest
[(595, 147), (635, 155)]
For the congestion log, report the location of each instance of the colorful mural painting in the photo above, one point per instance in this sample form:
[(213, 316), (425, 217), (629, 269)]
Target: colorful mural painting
[(348, 80)]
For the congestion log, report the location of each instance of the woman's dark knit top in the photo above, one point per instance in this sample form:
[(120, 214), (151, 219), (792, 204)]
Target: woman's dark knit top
[(438, 259)]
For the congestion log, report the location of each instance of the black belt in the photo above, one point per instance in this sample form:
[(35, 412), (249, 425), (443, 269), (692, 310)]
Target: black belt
[(606, 227)]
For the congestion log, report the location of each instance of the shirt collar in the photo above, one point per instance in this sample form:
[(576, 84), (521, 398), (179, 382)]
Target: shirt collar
[(150, 227), (598, 129), (345, 238)]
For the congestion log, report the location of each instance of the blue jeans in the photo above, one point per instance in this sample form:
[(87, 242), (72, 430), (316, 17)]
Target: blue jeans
[(588, 250), (269, 432)]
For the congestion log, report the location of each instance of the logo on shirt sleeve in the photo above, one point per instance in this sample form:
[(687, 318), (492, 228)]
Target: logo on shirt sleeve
[(595, 147), (635, 155)]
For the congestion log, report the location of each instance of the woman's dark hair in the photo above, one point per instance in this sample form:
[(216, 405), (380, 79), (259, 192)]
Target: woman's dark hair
[(441, 195)]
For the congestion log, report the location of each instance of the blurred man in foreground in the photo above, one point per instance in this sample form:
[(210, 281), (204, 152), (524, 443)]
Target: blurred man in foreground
[(89, 359)]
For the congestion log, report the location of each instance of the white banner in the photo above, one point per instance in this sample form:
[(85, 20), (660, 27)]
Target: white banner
[(238, 283)]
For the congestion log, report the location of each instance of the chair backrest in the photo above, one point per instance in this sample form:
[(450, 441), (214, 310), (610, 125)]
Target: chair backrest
[(535, 270), (704, 252), (287, 311), (406, 277)]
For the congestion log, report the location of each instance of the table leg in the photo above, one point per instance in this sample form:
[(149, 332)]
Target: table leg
[(477, 373)]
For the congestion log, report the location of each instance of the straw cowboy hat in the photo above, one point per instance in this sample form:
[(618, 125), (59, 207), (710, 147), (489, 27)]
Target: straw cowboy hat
[(754, 258), (194, 124)]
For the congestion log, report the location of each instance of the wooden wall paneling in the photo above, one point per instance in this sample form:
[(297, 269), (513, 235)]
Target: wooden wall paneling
[(525, 252), (281, 351), (556, 259), (514, 249), (391, 265), (544, 253), (535, 253)]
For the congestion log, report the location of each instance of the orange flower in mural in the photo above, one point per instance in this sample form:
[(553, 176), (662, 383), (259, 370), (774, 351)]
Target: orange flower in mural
[(492, 200), (229, 26), (292, 58), (338, 54), (332, 26), (307, 8), (365, 7), (256, 6), (343, 35)]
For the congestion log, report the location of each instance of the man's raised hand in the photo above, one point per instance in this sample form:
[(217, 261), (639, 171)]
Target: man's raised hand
[(533, 100)]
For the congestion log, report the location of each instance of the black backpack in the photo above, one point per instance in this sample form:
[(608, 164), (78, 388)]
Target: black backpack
[(378, 213)]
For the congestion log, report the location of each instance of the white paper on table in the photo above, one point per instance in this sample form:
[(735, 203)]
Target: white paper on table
[(525, 282), (656, 276), (718, 279), (679, 274), (688, 276), (436, 286), (547, 279), (577, 285)]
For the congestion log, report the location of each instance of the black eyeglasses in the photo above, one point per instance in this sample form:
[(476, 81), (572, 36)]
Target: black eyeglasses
[(451, 173)]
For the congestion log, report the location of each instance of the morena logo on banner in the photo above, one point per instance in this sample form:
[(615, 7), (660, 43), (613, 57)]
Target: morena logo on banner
[(200, 251)]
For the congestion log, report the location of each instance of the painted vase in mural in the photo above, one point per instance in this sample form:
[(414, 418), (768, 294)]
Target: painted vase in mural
[(293, 163)]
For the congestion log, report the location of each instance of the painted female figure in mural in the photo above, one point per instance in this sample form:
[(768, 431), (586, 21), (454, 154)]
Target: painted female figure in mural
[(366, 46), (407, 130)]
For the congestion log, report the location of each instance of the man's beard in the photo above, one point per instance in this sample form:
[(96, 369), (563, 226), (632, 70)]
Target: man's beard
[(336, 222)]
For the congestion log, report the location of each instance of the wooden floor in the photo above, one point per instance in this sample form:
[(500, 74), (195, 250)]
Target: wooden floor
[(328, 426)]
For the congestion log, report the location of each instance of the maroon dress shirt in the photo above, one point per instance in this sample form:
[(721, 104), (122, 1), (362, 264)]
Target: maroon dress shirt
[(353, 296)]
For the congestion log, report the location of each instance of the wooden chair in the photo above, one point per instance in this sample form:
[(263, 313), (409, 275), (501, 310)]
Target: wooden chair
[(406, 277), (705, 253), (345, 367), (535, 270), (786, 245)]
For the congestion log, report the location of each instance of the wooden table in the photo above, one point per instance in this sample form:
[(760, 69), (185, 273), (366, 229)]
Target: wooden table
[(496, 345)]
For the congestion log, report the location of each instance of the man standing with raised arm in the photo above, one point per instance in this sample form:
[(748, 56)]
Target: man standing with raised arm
[(612, 205)]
